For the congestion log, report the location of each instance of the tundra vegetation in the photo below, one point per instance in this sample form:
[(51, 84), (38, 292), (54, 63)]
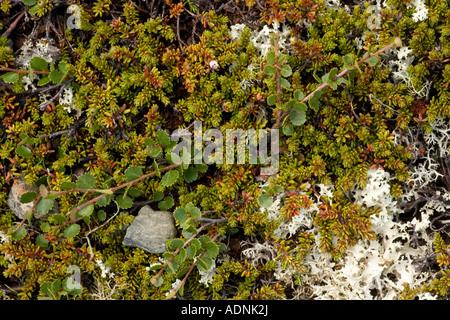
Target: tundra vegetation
[(358, 91)]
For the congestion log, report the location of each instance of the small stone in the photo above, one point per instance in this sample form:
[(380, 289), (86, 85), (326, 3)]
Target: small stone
[(19, 187), (150, 230)]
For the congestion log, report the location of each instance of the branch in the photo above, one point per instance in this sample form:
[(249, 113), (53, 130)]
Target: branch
[(145, 176), (44, 105), (13, 25), (211, 222), (175, 290)]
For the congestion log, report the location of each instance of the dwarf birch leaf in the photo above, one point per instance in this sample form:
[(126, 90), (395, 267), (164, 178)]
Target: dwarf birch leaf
[(10, 77), (272, 99), (163, 138), (133, 173), (44, 206), (86, 181), (288, 129), (298, 94), (166, 204), (286, 70), (284, 83), (29, 3), (372, 61), (41, 241), (204, 263), (191, 174), (101, 215), (19, 234), (86, 211), (158, 196), (269, 70), (38, 64), (43, 81), (67, 185), (271, 57), (297, 117), (24, 151), (55, 76), (175, 244), (193, 211), (180, 215), (169, 178), (265, 200), (124, 202), (72, 230)]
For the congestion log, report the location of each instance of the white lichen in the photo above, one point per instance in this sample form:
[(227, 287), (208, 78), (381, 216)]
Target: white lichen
[(40, 48), (375, 269), (4, 238), (421, 11)]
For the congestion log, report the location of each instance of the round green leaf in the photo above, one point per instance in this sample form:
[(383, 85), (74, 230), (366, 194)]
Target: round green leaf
[(158, 196), (133, 192), (55, 76), (29, 3), (269, 70), (163, 137), (271, 57), (372, 61), (43, 191), (272, 99), (155, 152), (44, 206), (86, 211), (133, 173), (124, 202), (284, 83), (204, 263), (63, 67), (166, 204), (265, 200), (297, 117), (101, 215), (86, 181), (28, 196), (72, 230), (38, 64), (288, 129), (175, 244), (66, 185), (314, 104), (104, 201), (19, 234), (10, 77), (41, 241), (24, 151), (286, 70), (169, 178), (180, 215), (191, 174), (301, 107), (298, 94), (193, 211)]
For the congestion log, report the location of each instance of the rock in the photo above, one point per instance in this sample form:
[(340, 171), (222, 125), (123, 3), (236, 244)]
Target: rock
[(19, 187), (150, 230)]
